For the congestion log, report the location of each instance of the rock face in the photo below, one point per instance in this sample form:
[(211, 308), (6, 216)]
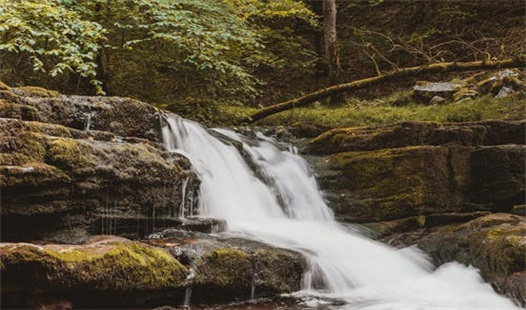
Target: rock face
[(63, 184), (412, 169)]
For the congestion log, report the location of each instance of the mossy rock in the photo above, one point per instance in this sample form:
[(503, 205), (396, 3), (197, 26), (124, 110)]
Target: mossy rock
[(118, 266), (223, 275), (235, 269), (396, 183), (417, 133), (45, 170)]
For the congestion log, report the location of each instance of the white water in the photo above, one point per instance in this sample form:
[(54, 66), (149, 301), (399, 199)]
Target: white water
[(290, 213)]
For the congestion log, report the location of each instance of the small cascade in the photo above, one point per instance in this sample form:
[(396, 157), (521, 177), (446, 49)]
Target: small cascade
[(87, 124), (282, 206), (188, 291), (187, 297), (182, 206)]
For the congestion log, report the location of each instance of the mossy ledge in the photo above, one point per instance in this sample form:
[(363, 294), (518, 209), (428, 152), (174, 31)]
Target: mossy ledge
[(118, 266)]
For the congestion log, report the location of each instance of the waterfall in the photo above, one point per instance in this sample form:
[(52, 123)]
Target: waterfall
[(268, 194)]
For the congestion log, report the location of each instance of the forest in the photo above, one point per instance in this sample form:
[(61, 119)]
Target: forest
[(209, 60)]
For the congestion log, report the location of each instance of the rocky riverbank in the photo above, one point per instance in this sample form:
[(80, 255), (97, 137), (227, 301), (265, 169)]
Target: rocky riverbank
[(92, 205), (456, 190)]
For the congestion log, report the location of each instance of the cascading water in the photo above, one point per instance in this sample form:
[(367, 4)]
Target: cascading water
[(280, 204)]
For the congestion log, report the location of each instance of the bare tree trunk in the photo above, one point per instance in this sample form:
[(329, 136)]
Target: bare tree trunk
[(404, 72), (331, 49)]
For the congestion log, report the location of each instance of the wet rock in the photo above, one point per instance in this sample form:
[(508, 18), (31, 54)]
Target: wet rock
[(85, 275), (494, 243), (232, 269)]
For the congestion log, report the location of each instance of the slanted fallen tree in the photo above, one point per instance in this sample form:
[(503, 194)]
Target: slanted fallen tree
[(519, 62)]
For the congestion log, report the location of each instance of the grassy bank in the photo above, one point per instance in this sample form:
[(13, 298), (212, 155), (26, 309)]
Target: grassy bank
[(382, 112)]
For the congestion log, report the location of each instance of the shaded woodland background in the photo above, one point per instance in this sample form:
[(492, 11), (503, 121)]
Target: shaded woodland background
[(195, 54)]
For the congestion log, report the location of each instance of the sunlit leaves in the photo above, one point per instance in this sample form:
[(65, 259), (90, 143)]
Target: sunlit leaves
[(49, 35)]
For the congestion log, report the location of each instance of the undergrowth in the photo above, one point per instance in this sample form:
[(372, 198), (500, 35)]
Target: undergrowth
[(382, 112)]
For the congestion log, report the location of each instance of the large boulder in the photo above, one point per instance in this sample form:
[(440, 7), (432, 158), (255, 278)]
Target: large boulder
[(228, 268), (105, 272)]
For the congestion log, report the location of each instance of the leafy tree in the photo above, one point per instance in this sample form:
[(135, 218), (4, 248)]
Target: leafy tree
[(157, 50), (49, 39)]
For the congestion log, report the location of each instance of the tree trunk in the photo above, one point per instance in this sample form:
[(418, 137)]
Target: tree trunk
[(411, 71), (331, 49)]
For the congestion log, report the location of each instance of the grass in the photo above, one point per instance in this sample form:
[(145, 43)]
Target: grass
[(384, 112)]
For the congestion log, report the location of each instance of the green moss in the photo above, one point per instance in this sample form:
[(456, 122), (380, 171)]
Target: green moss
[(224, 268), (49, 129), (33, 91), (385, 112), (31, 145), (67, 152)]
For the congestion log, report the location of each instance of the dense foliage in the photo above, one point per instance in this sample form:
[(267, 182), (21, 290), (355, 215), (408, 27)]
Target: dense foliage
[(159, 50), (194, 54)]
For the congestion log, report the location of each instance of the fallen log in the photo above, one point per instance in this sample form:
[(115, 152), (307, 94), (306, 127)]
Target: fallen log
[(404, 72)]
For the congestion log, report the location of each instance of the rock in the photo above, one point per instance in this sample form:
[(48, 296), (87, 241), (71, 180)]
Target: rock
[(227, 268), (497, 174), (492, 132), (504, 92), (421, 169), (82, 275), (124, 117), (424, 91), (397, 183), (437, 100), (503, 84), (494, 243), (61, 185)]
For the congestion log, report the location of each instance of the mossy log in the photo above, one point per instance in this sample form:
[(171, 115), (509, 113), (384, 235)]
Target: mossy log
[(363, 83)]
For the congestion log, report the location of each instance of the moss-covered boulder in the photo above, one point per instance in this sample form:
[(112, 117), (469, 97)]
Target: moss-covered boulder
[(397, 183), (232, 269), (124, 117), (130, 272)]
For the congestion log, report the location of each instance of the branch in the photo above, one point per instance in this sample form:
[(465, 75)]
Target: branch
[(358, 84)]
